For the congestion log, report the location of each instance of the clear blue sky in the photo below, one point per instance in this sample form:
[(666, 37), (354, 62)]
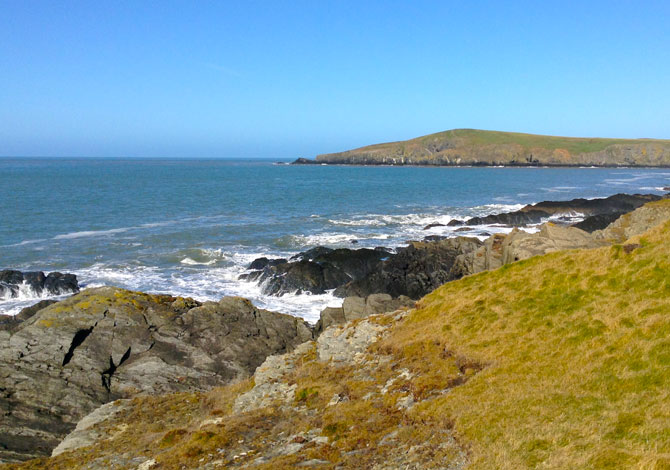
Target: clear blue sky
[(298, 78)]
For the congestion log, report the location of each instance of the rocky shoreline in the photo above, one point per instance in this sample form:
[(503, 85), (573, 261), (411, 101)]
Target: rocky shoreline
[(473, 164), (422, 266), (61, 360)]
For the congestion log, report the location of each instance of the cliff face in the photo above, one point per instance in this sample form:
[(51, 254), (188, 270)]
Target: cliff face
[(477, 147), (556, 361)]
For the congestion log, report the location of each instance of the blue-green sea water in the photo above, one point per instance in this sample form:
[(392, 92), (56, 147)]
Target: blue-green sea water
[(191, 227)]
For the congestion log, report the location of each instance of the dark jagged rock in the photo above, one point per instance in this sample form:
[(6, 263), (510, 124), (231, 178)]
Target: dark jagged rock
[(597, 222), (434, 238), (510, 218), (54, 283), (262, 263), (10, 276), (434, 224), (65, 360), (537, 213), (413, 271), (316, 270)]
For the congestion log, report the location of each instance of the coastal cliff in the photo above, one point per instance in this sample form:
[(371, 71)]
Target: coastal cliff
[(558, 360), (472, 147)]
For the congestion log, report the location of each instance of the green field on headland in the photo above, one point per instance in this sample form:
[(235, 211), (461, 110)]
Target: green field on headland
[(480, 147)]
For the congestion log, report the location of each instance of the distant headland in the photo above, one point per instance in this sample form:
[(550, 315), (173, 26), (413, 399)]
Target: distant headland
[(472, 147)]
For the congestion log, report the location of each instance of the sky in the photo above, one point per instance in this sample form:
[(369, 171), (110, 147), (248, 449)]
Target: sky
[(288, 79)]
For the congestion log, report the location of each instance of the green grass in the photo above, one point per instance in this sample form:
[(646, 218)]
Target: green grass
[(506, 147), (579, 356), (571, 144)]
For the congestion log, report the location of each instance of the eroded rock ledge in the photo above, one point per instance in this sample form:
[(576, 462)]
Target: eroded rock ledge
[(65, 360)]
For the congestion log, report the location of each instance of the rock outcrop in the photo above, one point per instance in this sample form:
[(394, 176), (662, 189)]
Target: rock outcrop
[(635, 222), (501, 249), (106, 343), (329, 403), (413, 271), (358, 307), (54, 283), (314, 271)]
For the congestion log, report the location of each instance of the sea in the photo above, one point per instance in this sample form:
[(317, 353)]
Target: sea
[(191, 227)]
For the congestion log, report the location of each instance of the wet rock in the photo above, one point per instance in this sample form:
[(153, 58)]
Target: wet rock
[(104, 344), (597, 222), (262, 263), (315, 271), (413, 271), (433, 225), (54, 283)]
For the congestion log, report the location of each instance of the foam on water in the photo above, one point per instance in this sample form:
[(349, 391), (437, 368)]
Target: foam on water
[(216, 217), (26, 296), (92, 233)]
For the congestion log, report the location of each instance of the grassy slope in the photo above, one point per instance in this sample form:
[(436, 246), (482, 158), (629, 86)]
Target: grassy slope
[(575, 349), (571, 144), (472, 138), (579, 350)]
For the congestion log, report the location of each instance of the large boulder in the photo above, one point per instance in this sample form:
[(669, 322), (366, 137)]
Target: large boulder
[(106, 343)]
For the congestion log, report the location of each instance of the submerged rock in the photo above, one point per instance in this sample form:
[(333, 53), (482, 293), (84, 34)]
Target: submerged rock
[(106, 343)]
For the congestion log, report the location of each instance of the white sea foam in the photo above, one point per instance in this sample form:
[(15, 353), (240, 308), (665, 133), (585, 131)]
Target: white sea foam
[(26, 242), (91, 233), (210, 273), (192, 262), (25, 297)]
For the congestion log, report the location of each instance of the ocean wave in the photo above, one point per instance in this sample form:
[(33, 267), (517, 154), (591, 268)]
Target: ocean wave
[(571, 217), (25, 297), (422, 219), (191, 262), (26, 242), (91, 233), (301, 242)]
